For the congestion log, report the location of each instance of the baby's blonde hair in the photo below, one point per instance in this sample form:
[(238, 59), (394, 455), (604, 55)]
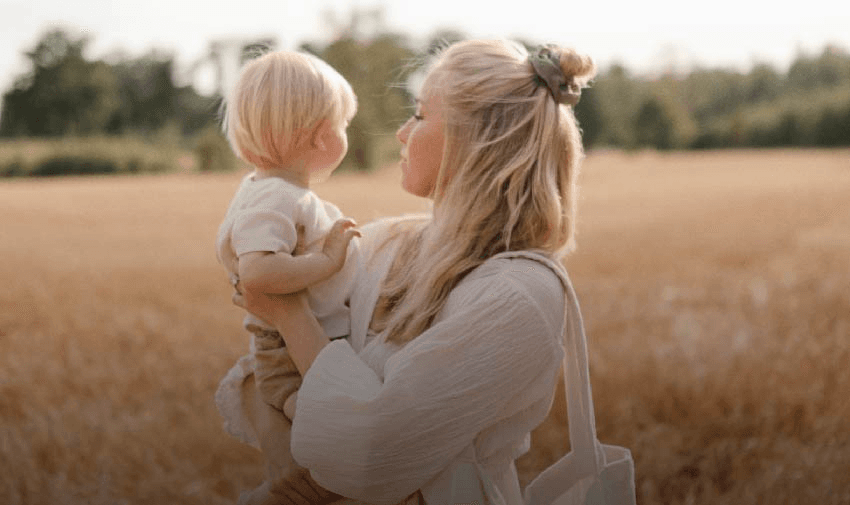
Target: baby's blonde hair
[(507, 181), (277, 97)]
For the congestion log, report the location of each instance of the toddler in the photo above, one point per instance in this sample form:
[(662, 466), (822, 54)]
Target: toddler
[(287, 116)]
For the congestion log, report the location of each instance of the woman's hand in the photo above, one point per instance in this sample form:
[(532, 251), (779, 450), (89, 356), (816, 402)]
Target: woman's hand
[(297, 488), (291, 314), (266, 306), (300, 489), (273, 309), (294, 320)]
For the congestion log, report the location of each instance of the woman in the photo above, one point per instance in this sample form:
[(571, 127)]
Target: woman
[(455, 347)]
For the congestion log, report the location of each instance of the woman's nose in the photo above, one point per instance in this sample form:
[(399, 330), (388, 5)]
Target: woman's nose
[(404, 131)]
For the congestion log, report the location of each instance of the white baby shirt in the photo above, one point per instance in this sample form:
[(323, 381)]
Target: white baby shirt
[(262, 217)]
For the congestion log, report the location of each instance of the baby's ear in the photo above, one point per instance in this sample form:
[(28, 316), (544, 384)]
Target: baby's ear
[(320, 134), (301, 139)]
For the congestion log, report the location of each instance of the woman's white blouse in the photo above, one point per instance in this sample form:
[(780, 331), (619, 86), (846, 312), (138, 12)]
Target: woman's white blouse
[(449, 412)]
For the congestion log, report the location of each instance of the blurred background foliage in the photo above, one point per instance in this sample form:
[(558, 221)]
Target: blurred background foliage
[(129, 115)]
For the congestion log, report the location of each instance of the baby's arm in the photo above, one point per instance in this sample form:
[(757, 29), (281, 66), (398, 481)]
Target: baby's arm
[(282, 273)]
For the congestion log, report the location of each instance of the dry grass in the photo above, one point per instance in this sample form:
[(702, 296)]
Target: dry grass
[(716, 289)]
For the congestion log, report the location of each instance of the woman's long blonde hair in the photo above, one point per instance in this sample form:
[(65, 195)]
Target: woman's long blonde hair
[(507, 180)]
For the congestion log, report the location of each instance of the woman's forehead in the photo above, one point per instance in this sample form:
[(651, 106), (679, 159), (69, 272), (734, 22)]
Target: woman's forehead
[(429, 102), (428, 94), (431, 85)]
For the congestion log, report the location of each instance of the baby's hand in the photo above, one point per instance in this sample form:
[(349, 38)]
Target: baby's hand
[(336, 242)]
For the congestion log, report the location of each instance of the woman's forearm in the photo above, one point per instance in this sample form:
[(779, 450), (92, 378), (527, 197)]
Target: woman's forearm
[(303, 334)]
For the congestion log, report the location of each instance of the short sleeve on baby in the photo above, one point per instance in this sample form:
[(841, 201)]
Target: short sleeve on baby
[(257, 230)]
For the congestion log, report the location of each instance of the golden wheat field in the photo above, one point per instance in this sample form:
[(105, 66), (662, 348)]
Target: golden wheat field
[(715, 287)]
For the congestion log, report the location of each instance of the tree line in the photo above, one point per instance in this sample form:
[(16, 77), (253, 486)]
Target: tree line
[(66, 94), (808, 105)]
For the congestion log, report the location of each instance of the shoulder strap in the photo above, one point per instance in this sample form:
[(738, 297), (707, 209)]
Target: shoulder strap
[(580, 414)]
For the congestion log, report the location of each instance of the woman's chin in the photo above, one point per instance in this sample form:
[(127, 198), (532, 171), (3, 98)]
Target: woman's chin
[(404, 185), (415, 191)]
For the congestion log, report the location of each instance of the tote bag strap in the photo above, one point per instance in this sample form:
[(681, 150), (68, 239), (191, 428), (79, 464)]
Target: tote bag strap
[(580, 414)]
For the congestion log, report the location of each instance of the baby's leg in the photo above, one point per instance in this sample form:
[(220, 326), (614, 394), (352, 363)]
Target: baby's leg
[(276, 375), (286, 481), (272, 427)]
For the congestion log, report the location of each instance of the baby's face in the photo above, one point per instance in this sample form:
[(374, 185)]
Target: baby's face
[(341, 142), (335, 139)]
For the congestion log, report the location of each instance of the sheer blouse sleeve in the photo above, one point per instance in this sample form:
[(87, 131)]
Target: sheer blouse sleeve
[(380, 439)]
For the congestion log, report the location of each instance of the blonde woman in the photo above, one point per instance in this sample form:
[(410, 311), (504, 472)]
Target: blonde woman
[(455, 338)]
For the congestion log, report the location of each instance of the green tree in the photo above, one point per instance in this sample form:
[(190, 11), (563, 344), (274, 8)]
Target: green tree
[(834, 66), (616, 93), (195, 112), (443, 38), (762, 84), (376, 68), (711, 93), (589, 118), (62, 94), (833, 127), (831, 68), (653, 125), (802, 75), (148, 97)]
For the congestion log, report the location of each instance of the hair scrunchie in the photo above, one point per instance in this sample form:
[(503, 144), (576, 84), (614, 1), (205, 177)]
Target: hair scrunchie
[(546, 62)]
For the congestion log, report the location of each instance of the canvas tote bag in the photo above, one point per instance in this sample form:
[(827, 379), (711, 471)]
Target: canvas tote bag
[(592, 473)]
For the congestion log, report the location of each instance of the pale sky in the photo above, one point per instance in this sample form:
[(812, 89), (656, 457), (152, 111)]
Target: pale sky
[(641, 35)]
